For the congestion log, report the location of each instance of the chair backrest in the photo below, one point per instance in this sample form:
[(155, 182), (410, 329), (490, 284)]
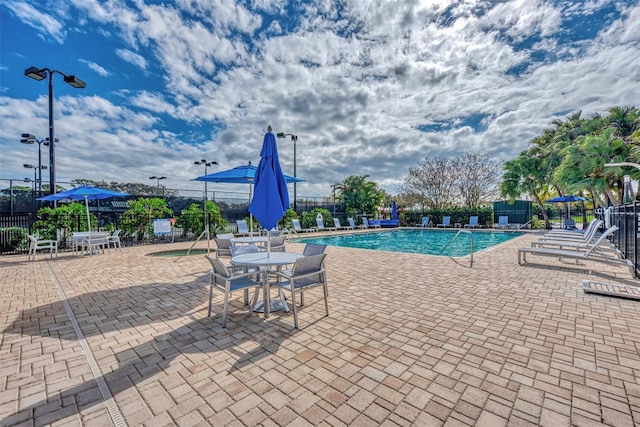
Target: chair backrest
[(242, 226), (320, 223), (603, 237), (503, 220), (219, 269), (425, 221), (336, 223), (296, 224), (244, 249), (222, 243), (32, 239), (446, 220), (277, 241), (352, 223), (313, 249), (309, 265), (115, 233), (591, 230), (473, 220), (365, 221)]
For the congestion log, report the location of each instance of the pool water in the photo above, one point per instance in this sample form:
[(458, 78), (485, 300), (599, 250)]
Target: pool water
[(427, 242)]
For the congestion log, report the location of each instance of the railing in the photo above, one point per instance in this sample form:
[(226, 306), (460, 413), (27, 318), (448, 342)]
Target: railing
[(627, 237), (455, 237)]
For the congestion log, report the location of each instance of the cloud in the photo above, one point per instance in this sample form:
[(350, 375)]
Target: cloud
[(95, 67), (133, 58), (44, 23)]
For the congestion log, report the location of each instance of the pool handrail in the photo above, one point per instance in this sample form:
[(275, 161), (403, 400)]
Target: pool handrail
[(455, 237)]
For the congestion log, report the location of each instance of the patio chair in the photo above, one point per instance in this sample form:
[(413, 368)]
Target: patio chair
[(298, 228), (597, 252), (473, 222), (367, 224), (308, 272), (243, 229), (114, 240), (352, 224), (239, 269), (223, 244), (313, 249), (226, 282), (446, 222), (35, 245), (321, 227), (425, 222), (276, 244), (338, 226), (503, 222)]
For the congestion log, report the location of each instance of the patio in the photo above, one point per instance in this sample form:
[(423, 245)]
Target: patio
[(410, 340)]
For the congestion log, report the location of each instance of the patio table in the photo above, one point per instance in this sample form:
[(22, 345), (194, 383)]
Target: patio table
[(267, 260), (249, 240)]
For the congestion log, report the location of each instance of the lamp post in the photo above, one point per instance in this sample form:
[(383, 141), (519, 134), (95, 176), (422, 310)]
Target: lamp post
[(334, 186), (41, 74), (294, 138), (35, 180), (158, 178), (206, 193), (627, 178), (29, 139)]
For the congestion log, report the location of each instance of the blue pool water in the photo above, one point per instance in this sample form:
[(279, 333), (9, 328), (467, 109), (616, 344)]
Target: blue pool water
[(428, 242)]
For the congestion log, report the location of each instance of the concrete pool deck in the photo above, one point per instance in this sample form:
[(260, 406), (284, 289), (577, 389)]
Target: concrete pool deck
[(410, 340)]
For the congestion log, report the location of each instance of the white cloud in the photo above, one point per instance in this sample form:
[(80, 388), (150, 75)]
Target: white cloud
[(132, 57), (44, 23), (95, 67)]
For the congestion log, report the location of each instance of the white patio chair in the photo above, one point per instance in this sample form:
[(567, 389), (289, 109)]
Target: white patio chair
[(114, 240), (35, 245)]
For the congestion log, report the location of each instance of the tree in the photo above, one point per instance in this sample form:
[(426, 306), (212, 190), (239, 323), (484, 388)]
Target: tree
[(138, 218), (360, 195), (477, 178), (434, 181)]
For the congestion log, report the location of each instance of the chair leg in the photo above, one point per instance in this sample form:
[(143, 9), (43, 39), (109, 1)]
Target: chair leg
[(325, 288), (295, 310), (210, 296), (224, 309)]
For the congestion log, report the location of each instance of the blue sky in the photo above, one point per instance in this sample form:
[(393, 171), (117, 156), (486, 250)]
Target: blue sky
[(369, 87)]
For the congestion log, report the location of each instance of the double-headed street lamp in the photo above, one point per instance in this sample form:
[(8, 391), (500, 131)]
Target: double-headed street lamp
[(29, 139), (206, 194), (41, 74), (294, 138), (158, 178)]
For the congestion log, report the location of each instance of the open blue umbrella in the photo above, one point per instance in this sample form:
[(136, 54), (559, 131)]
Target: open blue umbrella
[(271, 196), (85, 192), (567, 199), (245, 174)]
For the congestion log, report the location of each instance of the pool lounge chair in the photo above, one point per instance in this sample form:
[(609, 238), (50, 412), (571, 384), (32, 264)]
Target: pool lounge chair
[(338, 226), (321, 227), (425, 222), (503, 222), (446, 222), (589, 233), (366, 223), (595, 253), (473, 222), (298, 228), (575, 234), (352, 223), (243, 229)]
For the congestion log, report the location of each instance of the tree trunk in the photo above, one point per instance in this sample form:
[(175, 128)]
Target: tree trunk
[(547, 225)]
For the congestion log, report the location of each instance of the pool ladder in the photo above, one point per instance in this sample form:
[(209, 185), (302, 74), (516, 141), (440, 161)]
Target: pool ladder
[(455, 237)]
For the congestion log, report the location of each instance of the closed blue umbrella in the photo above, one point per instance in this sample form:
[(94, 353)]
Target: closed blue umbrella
[(85, 193), (271, 196), (394, 211)]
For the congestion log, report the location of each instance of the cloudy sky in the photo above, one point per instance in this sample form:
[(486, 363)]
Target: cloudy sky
[(368, 86)]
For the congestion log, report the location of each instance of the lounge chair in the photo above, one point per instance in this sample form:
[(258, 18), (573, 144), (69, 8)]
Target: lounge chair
[(473, 222), (366, 223), (446, 222), (243, 229), (575, 234), (338, 226), (352, 223), (598, 252), (425, 222), (503, 222), (576, 244), (298, 228), (36, 245), (321, 227)]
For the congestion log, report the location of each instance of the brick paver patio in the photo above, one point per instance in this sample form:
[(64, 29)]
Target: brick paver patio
[(410, 340)]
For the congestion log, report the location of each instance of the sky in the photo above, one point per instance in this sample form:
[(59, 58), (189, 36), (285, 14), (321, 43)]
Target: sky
[(369, 87)]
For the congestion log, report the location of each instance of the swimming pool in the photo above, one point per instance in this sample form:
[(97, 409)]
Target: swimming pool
[(427, 242)]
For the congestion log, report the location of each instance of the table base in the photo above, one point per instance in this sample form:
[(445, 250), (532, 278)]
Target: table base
[(275, 305)]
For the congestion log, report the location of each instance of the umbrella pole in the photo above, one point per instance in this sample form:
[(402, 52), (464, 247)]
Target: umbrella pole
[(250, 214), (86, 204)]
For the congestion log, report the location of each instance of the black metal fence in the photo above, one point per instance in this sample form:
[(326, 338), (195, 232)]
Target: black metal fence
[(626, 238)]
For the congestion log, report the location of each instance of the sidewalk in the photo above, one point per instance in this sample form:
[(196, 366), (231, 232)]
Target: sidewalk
[(410, 340)]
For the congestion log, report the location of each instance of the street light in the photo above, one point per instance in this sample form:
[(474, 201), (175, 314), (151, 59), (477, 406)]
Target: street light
[(158, 178), (206, 194), (334, 186), (41, 74), (627, 178), (29, 139), (294, 138)]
